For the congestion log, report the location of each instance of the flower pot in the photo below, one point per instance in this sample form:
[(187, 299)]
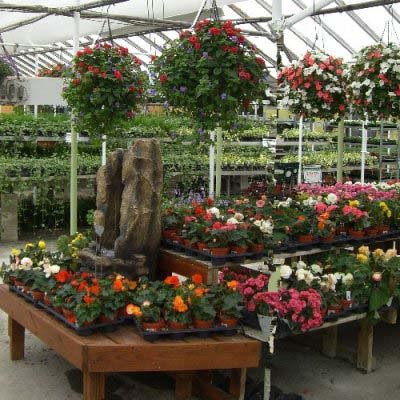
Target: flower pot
[(58, 310), (122, 312), (176, 326), (202, 324), (372, 231), (327, 239), (187, 243), (106, 320), (265, 324), (356, 234), (153, 326), (12, 280), (257, 248), (19, 283), (346, 304), (202, 246), (341, 230), (334, 309), (228, 322), (68, 313), (219, 251), (238, 249), (47, 301), (168, 234), (37, 295), (382, 229), (305, 238)]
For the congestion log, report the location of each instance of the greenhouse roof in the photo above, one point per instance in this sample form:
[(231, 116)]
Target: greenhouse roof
[(144, 26)]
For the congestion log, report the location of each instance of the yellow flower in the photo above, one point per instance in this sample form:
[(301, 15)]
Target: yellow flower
[(388, 213), (191, 286), (42, 244), (364, 250), (354, 203), (28, 246), (390, 254), (15, 252), (362, 258), (378, 253)]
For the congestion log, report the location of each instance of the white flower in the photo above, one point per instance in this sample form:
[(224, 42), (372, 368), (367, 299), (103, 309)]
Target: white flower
[(301, 265), (214, 211), (232, 221), (316, 269), (301, 274), (338, 276), (308, 277), (285, 271), (267, 227), (50, 270), (331, 281), (26, 263), (310, 202), (348, 279), (239, 217), (331, 198)]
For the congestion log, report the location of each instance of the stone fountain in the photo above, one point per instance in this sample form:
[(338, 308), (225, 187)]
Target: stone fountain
[(128, 216)]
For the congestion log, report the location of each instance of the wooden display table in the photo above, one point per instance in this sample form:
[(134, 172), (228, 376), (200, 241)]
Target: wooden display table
[(125, 351)]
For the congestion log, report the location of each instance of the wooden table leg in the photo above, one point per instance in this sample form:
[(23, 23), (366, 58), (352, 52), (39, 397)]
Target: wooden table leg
[(329, 341), (183, 385), (93, 385), (365, 360), (237, 384), (17, 339)]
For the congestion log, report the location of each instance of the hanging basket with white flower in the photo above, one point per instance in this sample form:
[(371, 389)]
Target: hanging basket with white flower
[(313, 86), (374, 81)]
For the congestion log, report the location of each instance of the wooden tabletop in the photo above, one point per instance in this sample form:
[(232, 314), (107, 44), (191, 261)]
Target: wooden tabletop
[(125, 350)]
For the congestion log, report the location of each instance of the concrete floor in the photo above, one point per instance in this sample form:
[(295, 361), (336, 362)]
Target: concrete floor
[(296, 368)]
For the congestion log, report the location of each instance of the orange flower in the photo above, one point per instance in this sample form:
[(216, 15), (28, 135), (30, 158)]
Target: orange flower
[(301, 218), (172, 280), (63, 276), (197, 279), (179, 305), (131, 309), (88, 299), (233, 285), (95, 290), (199, 292), (132, 285), (324, 216), (321, 225), (118, 286), (82, 287)]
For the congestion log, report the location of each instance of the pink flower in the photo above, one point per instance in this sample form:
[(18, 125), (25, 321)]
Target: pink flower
[(320, 208), (260, 203)]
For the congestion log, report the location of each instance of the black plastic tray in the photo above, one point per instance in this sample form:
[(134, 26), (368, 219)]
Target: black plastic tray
[(181, 334)]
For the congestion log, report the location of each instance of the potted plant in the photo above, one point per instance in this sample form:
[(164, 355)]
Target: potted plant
[(177, 314), (238, 240), (217, 238), (266, 303), (229, 303), (112, 297), (151, 317), (356, 219), (88, 311), (5, 70), (202, 308), (302, 228)]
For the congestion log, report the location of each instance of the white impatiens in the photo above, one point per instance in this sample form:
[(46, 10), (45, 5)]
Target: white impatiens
[(214, 211), (50, 270), (26, 264), (285, 271), (331, 199), (265, 226)]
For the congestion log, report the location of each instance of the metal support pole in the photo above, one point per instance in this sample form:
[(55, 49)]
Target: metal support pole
[(218, 166), (381, 153), (74, 144), (211, 190), (36, 106), (340, 151), (300, 150), (363, 152), (104, 150), (398, 153)]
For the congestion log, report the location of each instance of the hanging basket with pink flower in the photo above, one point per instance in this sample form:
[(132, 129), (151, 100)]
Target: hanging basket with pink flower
[(374, 81), (104, 87), (314, 86), (211, 73)]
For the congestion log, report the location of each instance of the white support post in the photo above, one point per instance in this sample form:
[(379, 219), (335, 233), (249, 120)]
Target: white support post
[(74, 143), (300, 150), (104, 150), (36, 106), (364, 152), (211, 190)]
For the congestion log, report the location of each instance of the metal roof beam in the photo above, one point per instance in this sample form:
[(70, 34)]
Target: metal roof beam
[(355, 17), (329, 30)]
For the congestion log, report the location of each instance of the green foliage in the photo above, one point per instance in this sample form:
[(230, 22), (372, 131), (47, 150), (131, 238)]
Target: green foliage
[(105, 87), (5, 70), (211, 73)]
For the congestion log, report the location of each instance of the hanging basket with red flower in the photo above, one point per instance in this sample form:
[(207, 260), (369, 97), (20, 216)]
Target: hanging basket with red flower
[(374, 81), (211, 73), (314, 86), (104, 87), (55, 71)]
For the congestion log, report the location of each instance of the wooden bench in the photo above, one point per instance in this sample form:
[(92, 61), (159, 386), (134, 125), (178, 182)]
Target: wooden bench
[(125, 351)]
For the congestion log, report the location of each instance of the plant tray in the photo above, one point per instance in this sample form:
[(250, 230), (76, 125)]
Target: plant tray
[(206, 255), (82, 331), (151, 336)]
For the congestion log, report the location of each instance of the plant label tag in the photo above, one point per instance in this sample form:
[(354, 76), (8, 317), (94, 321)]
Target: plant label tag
[(258, 266), (278, 261), (348, 295)]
